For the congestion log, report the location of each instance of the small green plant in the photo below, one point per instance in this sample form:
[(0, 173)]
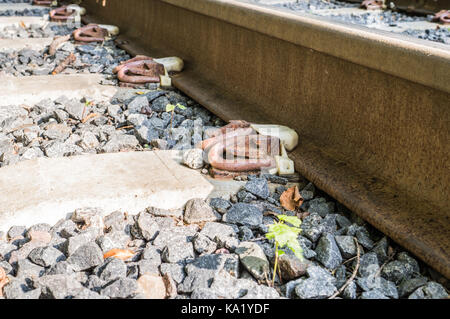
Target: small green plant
[(285, 236), (171, 108)]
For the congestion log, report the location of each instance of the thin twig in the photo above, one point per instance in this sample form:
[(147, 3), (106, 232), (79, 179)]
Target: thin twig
[(337, 293), (390, 257)]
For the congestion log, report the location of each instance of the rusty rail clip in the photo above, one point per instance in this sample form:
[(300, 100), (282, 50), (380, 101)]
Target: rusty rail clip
[(62, 14), (442, 16), (244, 150), (372, 4), (90, 33), (139, 70)]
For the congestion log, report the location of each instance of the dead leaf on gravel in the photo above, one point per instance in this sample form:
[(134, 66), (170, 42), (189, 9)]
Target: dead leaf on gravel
[(122, 254), (291, 198)]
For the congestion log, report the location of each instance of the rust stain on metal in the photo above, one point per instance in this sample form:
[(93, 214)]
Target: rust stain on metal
[(62, 14), (90, 33), (139, 70)]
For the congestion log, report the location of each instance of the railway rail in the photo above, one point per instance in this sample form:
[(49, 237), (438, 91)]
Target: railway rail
[(371, 108)]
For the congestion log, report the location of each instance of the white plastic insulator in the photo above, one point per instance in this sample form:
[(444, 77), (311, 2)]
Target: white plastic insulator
[(285, 165), (165, 81), (81, 11), (171, 63), (112, 29), (287, 136)]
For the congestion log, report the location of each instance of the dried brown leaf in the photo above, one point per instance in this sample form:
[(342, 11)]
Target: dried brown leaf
[(291, 198), (122, 254)]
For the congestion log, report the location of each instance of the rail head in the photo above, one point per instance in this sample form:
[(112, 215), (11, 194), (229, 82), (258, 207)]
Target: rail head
[(416, 60)]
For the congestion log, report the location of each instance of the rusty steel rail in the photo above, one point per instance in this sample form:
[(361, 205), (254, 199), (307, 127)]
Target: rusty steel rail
[(371, 108), (422, 6)]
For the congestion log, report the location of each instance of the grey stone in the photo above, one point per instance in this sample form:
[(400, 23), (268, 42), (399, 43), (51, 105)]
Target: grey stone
[(61, 116), (291, 267), (6, 267), (328, 223), (61, 268), (346, 245), (245, 233), (405, 257), (74, 242), (288, 289), (75, 109), (26, 269), (220, 233), (381, 249), (198, 211), (147, 267), (147, 134), (85, 293), (6, 249), (321, 208), (120, 142), (57, 286), (254, 260), (57, 132), (364, 238), (369, 264), (136, 120), (113, 268), (201, 272), (38, 227), (193, 158), (86, 257), (244, 214), (64, 228), (408, 286), (88, 141), (327, 251), (114, 239), (120, 289), (147, 226), (16, 231), (115, 221), (219, 204), (152, 254), (311, 228), (341, 276), (204, 245), (245, 197), (175, 271), (431, 290), (350, 291), (258, 187), (46, 256), (397, 271), (18, 289), (176, 252), (225, 286), (94, 283), (343, 221), (314, 289), (138, 103), (373, 294), (175, 234), (177, 213)]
